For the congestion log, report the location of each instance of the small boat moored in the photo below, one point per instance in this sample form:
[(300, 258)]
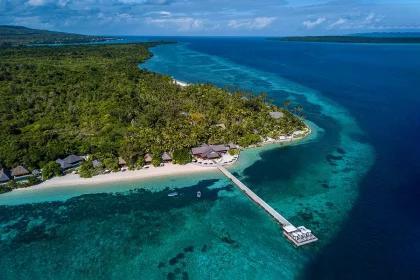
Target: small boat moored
[(198, 194), (173, 194)]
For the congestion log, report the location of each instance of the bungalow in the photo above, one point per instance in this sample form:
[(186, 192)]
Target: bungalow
[(5, 176), (166, 157), (64, 165), (148, 158), (276, 115), (73, 159), (121, 162), (37, 172), (20, 171), (210, 151), (69, 161)]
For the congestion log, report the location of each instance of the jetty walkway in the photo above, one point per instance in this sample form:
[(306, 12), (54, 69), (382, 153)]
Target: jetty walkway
[(298, 235)]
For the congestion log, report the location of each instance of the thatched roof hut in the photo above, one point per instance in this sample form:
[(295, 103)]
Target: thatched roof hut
[(97, 164), (20, 170), (121, 161), (166, 157), (148, 158)]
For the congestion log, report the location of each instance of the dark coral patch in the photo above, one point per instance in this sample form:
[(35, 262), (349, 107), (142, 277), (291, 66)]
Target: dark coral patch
[(325, 186), (341, 151), (204, 249), (189, 249), (161, 265), (329, 204)]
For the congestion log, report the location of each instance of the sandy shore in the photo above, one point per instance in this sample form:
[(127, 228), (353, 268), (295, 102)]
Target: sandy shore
[(167, 170), (182, 84)]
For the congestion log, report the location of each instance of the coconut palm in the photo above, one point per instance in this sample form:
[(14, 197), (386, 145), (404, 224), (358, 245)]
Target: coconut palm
[(286, 103)]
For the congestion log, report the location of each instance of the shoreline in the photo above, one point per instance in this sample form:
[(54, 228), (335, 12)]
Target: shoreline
[(167, 170)]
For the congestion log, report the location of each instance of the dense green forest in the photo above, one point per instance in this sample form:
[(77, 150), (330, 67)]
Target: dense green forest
[(94, 99), (19, 35), (351, 39)]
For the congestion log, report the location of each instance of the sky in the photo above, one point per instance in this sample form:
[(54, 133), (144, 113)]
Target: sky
[(214, 17)]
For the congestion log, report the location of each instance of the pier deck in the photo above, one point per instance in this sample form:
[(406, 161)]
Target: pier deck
[(299, 236)]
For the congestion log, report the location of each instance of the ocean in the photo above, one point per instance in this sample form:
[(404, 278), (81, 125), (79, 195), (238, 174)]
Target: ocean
[(353, 182)]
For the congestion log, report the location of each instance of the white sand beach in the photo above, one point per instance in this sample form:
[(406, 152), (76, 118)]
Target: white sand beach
[(167, 170), (182, 84)]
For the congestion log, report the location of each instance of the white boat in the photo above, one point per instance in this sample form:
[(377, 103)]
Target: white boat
[(198, 194), (173, 194)]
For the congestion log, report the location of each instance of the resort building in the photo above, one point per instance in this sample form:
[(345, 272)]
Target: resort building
[(64, 165), (148, 158), (71, 161), (37, 172), (210, 151), (20, 171), (5, 176), (166, 157), (121, 162)]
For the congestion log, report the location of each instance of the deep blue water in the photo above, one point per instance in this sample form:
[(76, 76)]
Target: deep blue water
[(380, 87), (354, 182)]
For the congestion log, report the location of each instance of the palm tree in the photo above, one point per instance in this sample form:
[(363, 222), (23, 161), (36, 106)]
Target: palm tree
[(302, 116), (300, 109), (286, 103), (295, 109)]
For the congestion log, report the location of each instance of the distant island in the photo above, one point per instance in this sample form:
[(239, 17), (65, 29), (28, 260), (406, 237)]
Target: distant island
[(19, 35), (350, 39)]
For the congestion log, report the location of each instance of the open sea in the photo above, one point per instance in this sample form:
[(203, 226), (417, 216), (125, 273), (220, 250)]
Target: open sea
[(354, 182)]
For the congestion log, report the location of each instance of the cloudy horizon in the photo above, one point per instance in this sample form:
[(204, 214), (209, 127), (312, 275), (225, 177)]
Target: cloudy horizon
[(213, 17)]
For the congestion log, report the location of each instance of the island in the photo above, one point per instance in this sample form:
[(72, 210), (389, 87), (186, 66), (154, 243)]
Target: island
[(350, 39), (90, 110), (19, 35)]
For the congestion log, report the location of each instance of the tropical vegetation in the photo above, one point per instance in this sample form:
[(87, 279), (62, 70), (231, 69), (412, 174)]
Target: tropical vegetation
[(94, 99)]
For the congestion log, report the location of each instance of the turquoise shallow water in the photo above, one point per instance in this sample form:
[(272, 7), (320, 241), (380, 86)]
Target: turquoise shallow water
[(118, 231)]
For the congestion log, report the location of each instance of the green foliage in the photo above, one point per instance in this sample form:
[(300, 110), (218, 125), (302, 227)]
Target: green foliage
[(233, 152), (93, 99), (140, 162), (21, 35), (181, 156), (156, 161), (249, 139), (51, 169), (86, 170)]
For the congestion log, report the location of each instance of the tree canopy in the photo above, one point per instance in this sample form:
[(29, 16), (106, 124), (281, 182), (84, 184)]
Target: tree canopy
[(94, 99)]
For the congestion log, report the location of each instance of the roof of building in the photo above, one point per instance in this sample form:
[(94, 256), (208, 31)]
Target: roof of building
[(5, 175), (63, 164), (276, 115), (148, 157), (72, 159), (219, 148), (166, 156), (96, 163), (20, 170), (233, 146), (221, 125), (121, 161), (289, 228), (36, 172), (213, 155), (201, 150)]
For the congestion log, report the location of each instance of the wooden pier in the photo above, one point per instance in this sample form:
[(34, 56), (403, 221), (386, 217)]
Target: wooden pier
[(299, 236)]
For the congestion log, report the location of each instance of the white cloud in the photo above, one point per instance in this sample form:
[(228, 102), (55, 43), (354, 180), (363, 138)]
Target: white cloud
[(337, 23), (37, 2), (182, 24), (256, 23), (165, 13), (311, 24), (369, 18)]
